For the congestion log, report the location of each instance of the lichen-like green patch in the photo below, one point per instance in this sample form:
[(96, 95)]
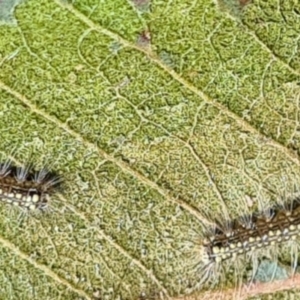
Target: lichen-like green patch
[(7, 8)]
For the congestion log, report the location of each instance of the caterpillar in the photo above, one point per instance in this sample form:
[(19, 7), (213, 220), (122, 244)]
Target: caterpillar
[(229, 246), (26, 188)]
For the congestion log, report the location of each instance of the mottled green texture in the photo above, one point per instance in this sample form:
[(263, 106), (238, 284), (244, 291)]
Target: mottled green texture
[(148, 133)]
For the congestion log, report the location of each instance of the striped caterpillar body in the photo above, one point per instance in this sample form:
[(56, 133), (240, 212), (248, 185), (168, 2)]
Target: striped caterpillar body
[(232, 245), (259, 231), (25, 188)]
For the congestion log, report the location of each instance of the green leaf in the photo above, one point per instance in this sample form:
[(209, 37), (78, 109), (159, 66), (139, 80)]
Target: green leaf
[(156, 113)]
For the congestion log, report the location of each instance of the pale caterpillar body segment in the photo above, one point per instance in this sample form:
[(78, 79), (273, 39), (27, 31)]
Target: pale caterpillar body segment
[(23, 187), (230, 248)]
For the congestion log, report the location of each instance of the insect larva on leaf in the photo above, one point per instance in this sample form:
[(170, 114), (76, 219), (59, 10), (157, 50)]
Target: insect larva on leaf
[(26, 188)]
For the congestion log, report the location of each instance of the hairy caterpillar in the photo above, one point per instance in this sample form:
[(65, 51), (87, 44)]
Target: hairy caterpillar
[(26, 188), (231, 247)]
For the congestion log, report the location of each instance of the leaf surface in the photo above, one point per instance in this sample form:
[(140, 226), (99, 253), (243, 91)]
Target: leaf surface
[(155, 113)]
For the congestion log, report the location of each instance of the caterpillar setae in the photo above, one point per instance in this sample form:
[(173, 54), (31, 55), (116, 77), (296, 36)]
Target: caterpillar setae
[(229, 247), (26, 188)]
